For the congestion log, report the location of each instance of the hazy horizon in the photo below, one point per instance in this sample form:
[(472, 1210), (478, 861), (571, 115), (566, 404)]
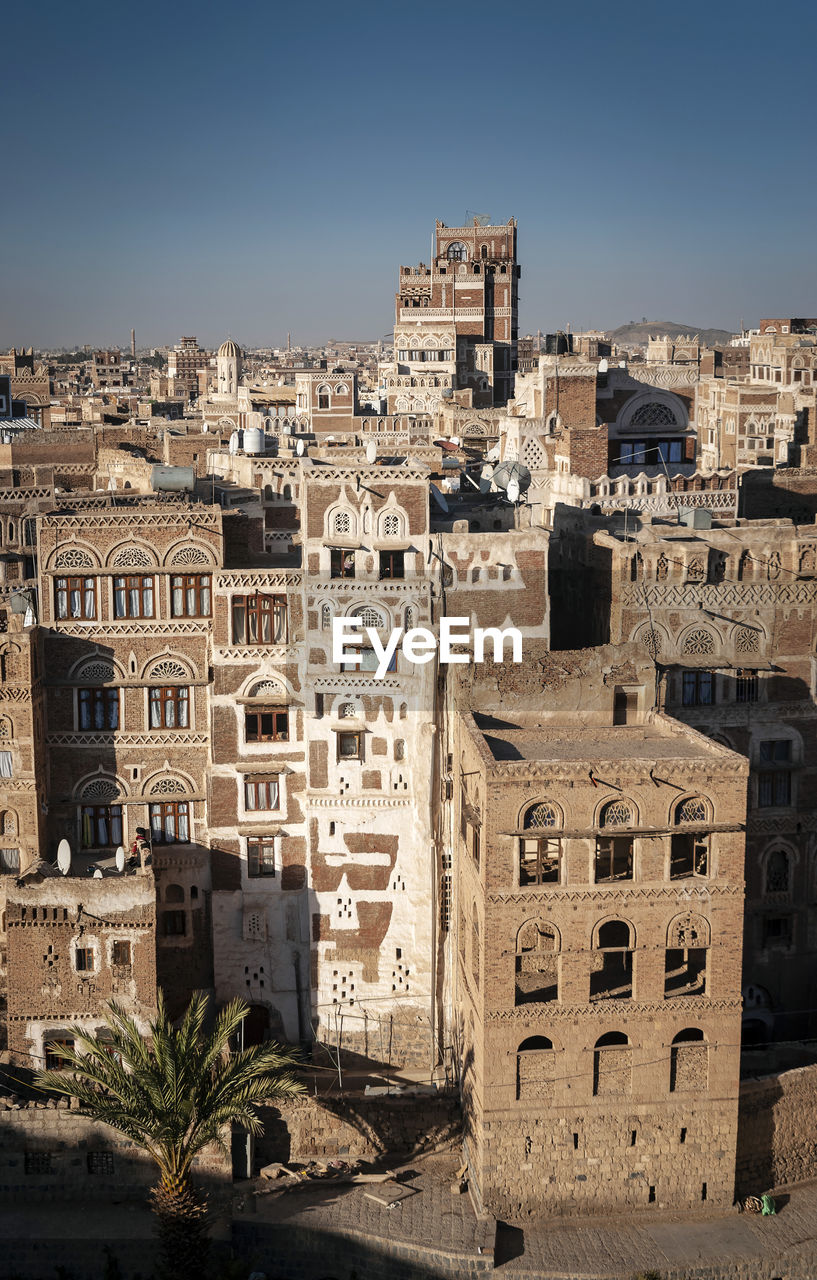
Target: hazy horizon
[(210, 172)]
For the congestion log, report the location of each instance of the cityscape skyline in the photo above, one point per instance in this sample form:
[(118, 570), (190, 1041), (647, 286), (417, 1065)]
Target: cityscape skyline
[(205, 188)]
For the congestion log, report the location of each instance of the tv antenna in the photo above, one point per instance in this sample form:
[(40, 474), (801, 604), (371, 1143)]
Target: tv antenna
[(480, 219)]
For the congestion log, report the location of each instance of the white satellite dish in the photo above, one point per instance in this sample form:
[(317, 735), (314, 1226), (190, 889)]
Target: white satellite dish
[(603, 366), (120, 858), (64, 857), (455, 440), (512, 491), (371, 451), (493, 454), (439, 499), (299, 448), (97, 873)]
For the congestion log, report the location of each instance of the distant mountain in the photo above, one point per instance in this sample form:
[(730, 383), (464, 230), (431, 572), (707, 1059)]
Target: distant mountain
[(635, 335)]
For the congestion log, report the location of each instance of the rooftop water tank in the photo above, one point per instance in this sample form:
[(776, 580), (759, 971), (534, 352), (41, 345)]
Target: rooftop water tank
[(254, 440)]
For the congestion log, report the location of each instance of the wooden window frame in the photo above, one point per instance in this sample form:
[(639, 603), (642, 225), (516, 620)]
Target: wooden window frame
[(259, 866), (176, 810), (170, 700), (262, 794), (358, 737), (613, 854), (541, 875), (112, 814), (391, 565), (74, 582), (200, 585), (144, 584), (277, 730), (252, 615), (99, 702)]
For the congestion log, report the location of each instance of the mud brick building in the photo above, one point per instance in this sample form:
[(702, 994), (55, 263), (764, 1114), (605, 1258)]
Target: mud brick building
[(598, 900), (75, 942), (768, 418), (456, 324), (728, 616)]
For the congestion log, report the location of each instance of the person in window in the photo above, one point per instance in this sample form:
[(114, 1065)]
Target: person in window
[(140, 850)]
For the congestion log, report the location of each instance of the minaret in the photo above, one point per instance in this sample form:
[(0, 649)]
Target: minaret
[(133, 343)]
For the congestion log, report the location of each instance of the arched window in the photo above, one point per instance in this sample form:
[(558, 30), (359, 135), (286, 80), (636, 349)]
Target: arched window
[(540, 854), (324, 397), (342, 523), (391, 525), (777, 873), (409, 617), (535, 1070), (689, 1061), (326, 617), (612, 1065), (611, 973), (614, 853), (653, 414), (174, 893), (689, 850), (685, 958), (537, 963), (483, 251), (456, 252), (369, 616), (661, 568)]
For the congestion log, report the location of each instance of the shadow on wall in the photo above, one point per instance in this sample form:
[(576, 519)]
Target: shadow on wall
[(580, 593), (312, 1254), (758, 1158)]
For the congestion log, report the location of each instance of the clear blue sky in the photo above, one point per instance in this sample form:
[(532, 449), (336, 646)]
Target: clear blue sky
[(258, 167)]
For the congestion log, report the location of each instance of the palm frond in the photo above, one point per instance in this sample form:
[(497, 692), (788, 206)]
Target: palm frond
[(177, 1089)]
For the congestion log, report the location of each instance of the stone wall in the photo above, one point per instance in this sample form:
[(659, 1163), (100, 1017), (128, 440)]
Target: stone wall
[(777, 1143), (358, 1127), (53, 1151)]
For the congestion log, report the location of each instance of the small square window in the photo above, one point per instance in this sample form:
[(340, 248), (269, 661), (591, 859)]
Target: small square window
[(777, 931), (261, 856), (174, 924), (350, 746), (84, 960)]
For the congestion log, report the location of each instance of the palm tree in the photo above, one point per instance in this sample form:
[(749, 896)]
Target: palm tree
[(173, 1093)]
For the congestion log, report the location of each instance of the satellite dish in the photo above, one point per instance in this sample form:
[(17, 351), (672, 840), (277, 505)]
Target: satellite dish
[(120, 858), (493, 454), (512, 491), (299, 448), (603, 366), (371, 451), (439, 499), (508, 473), (64, 857), (97, 873), (455, 440)]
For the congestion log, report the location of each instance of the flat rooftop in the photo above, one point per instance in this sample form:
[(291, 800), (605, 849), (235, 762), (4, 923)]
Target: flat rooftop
[(558, 742)]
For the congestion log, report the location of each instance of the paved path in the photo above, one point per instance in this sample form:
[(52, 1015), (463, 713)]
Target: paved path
[(674, 1245)]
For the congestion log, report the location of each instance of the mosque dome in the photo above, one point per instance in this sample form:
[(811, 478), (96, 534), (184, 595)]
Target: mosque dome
[(230, 349)]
